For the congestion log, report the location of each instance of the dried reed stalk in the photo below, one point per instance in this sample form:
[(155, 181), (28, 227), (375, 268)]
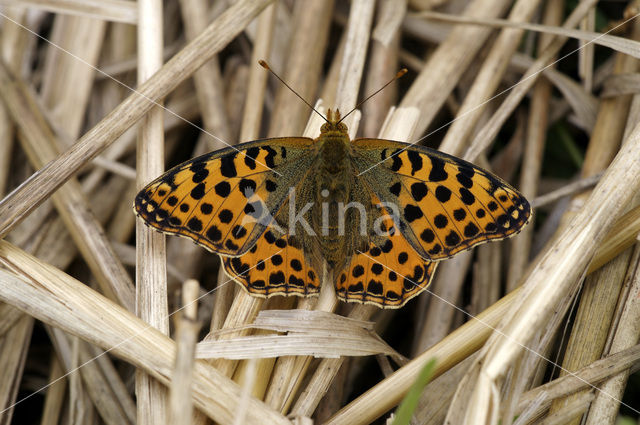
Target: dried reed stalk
[(55, 394), (59, 300), (308, 40), (532, 158), (67, 82), (13, 353), (180, 406), (622, 336), (588, 337), (15, 206), (445, 66), (107, 10), (487, 79), (318, 48), (553, 276), (257, 85), (151, 269), (41, 146), (490, 130)]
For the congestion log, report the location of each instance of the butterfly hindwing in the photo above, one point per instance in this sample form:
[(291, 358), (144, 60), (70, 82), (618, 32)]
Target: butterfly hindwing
[(224, 200), (275, 265), (389, 273), (445, 204)]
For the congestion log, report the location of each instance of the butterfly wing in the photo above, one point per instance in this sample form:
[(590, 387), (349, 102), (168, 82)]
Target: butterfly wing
[(388, 274), (275, 265), (445, 204), (224, 200)]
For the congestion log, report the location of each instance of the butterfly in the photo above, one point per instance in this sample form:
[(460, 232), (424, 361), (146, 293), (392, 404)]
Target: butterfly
[(381, 213)]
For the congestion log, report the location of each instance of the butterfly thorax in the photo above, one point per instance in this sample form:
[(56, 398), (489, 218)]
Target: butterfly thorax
[(334, 148)]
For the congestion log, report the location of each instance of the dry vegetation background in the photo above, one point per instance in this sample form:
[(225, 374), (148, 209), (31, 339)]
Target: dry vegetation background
[(558, 306)]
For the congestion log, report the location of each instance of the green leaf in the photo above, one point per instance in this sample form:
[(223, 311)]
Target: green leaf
[(404, 412)]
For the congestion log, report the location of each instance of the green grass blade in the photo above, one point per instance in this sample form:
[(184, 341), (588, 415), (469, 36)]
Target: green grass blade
[(404, 412)]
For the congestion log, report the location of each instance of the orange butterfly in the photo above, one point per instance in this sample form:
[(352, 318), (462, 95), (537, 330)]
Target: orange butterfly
[(380, 213)]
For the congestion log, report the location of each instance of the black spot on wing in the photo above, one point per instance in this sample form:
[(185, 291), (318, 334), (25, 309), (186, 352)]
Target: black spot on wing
[(276, 279), (374, 288), (296, 265), (194, 224), (466, 196), (198, 191), (459, 214), (412, 213), (250, 157), (357, 271), (206, 208), (388, 245), (222, 189), (427, 235), (443, 194), (357, 288), (225, 216), (269, 237), (435, 250), (230, 245), (395, 188), (470, 230), (172, 201), (247, 187), (419, 191), (227, 165), (270, 185), (403, 257), (464, 180), (200, 174), (238, 232), (238, 266), (416, 161), (397, 162), (269, 159), (452, 239), (437, 173), (440, 221)]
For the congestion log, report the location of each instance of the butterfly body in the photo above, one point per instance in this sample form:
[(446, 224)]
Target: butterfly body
[(380, 213), (334, 185)]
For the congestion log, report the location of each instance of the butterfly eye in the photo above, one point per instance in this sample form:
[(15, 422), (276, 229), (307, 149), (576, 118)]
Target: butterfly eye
[(342, 126)]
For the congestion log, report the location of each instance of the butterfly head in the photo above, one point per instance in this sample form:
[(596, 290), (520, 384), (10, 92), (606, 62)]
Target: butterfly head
[(333, 126)]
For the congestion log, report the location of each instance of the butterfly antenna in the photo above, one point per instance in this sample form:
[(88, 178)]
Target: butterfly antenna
[(265, 65), (397, 76)]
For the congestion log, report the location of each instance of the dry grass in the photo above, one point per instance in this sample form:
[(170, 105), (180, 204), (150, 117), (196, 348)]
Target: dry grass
[(568, 135)]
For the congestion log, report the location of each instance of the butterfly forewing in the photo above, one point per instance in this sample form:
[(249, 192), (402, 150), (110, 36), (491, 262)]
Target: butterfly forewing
[(225, 199), (445, 204)]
